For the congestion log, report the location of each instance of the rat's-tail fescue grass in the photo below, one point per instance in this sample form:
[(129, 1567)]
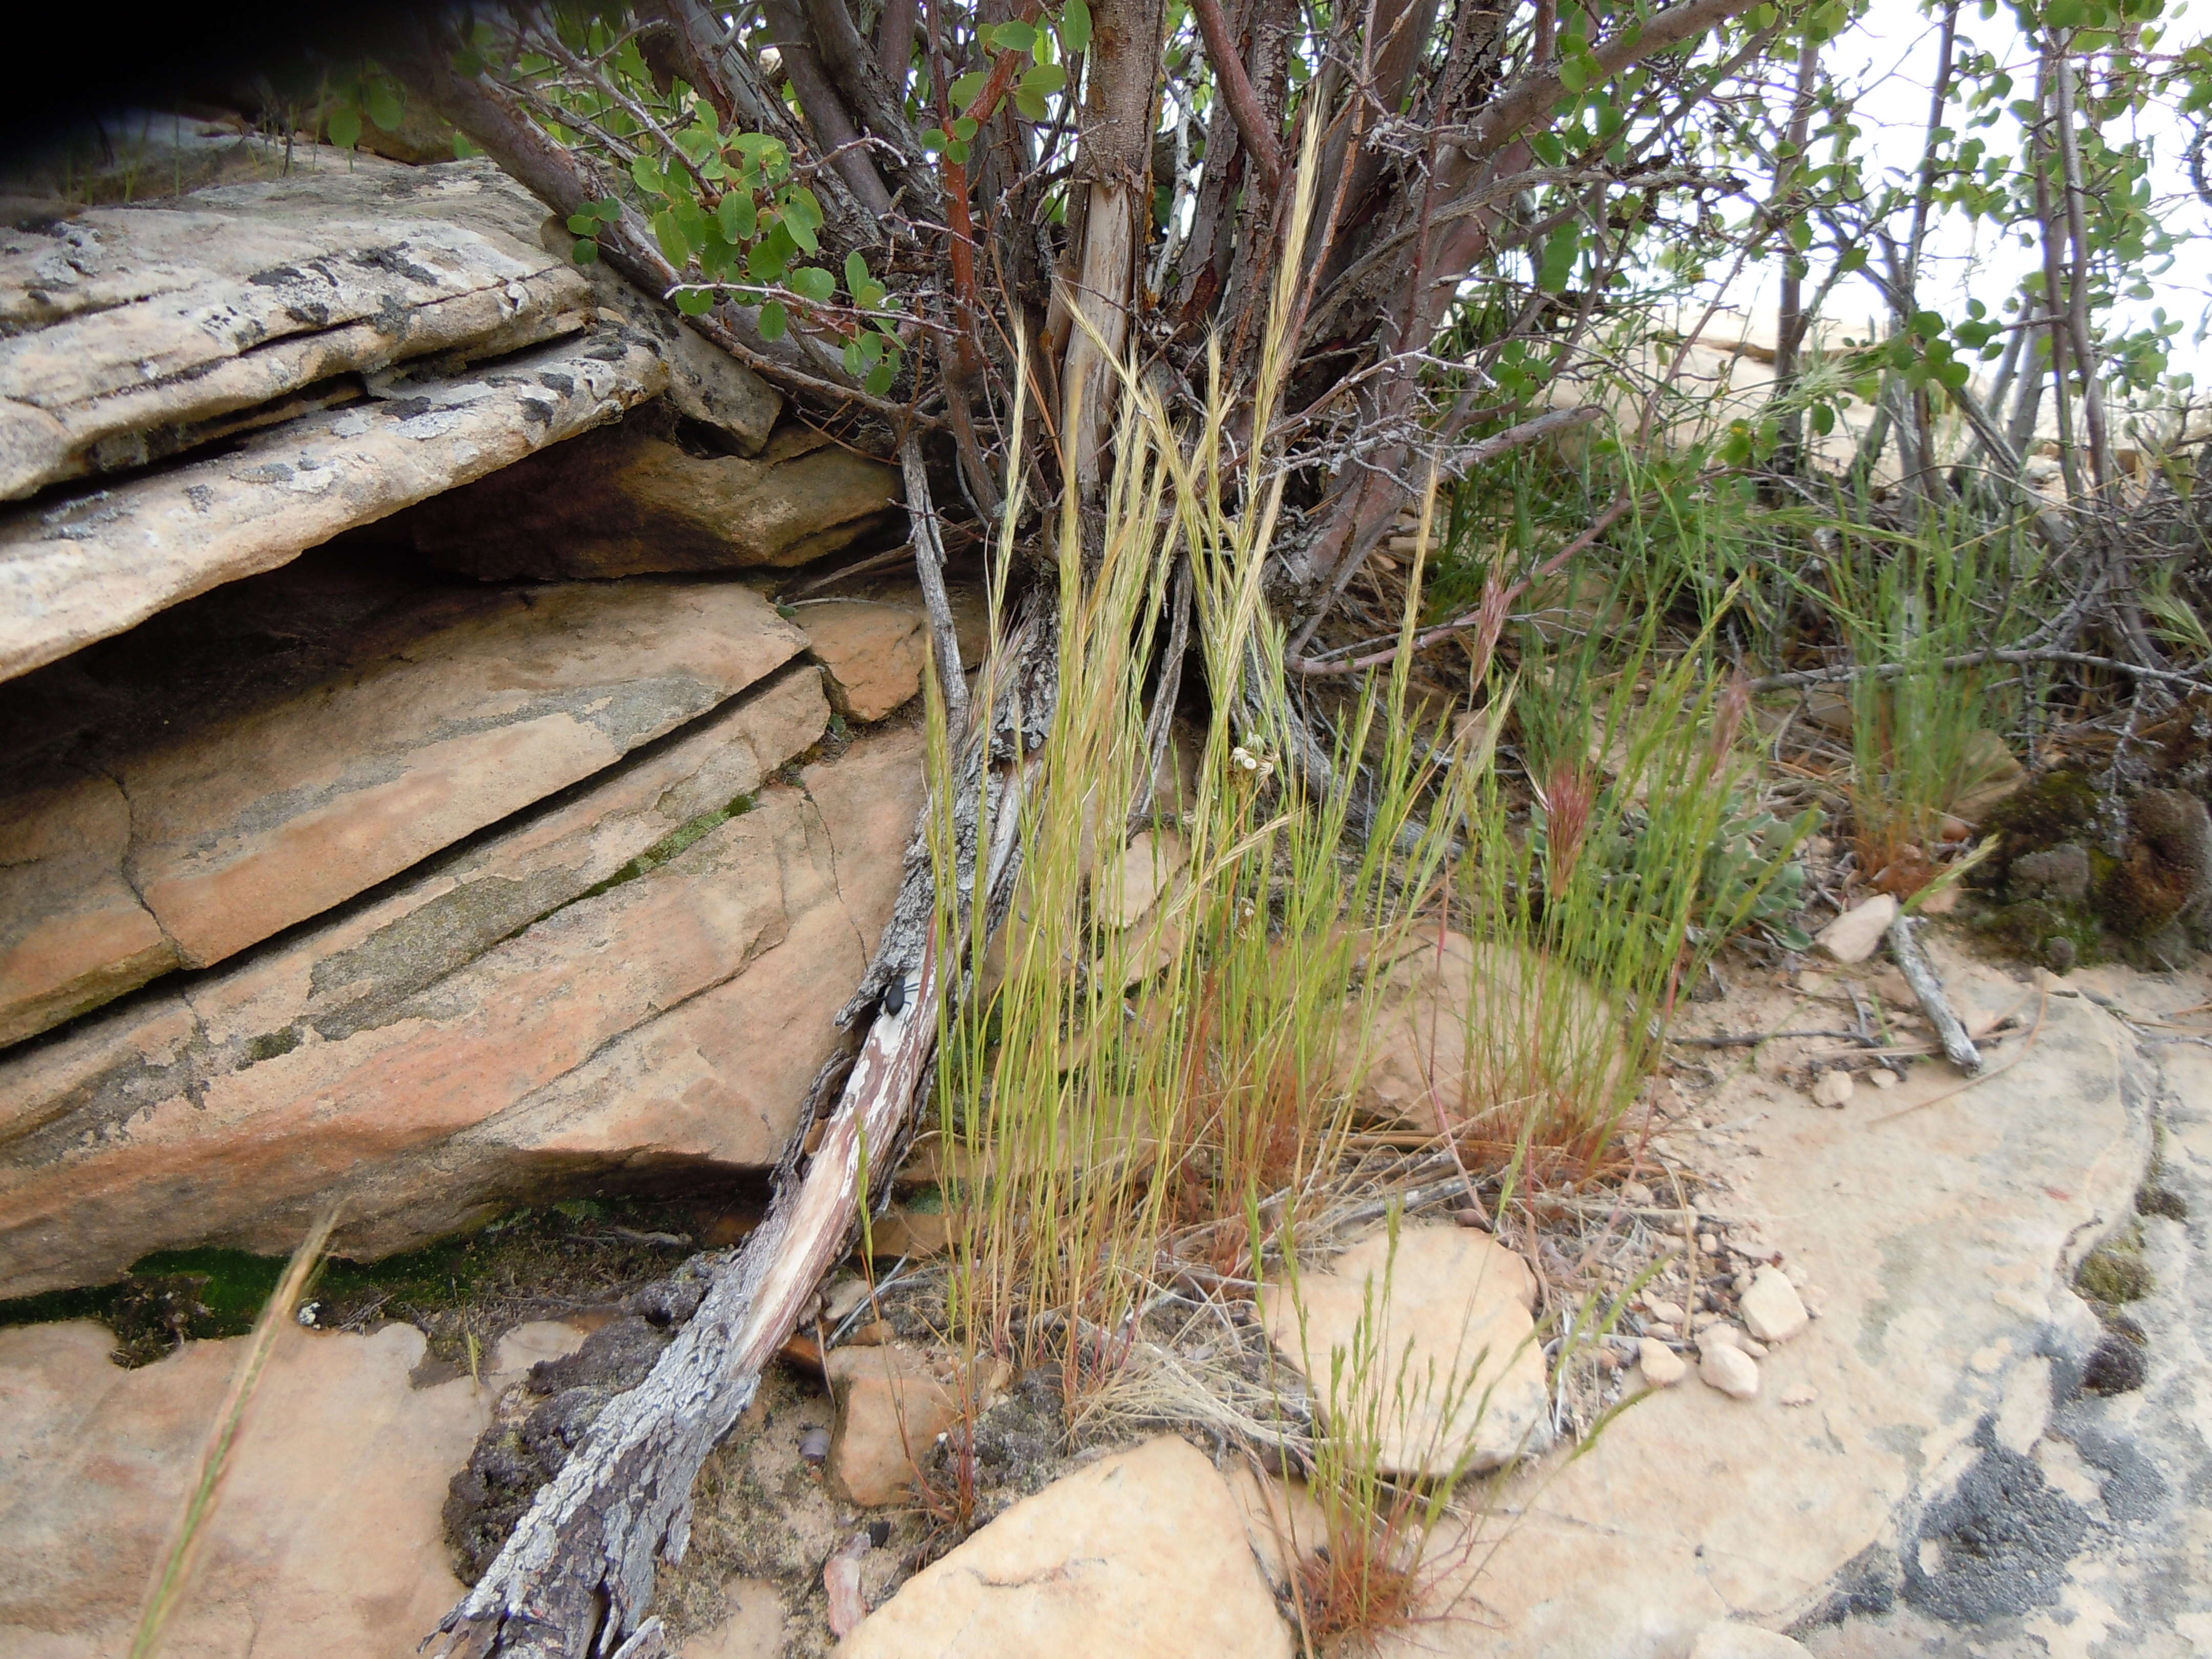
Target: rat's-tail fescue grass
[(1155, 1074)]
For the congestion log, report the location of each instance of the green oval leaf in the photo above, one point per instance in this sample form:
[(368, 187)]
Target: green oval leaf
[(345, 125), (812, 282), (1560, 250), (1044, 78), (694, 302), (1075, 26), (385, 107), (802, 217), (773, 322), (738, 216), (669, 236), (968, 88), (1013, 37)]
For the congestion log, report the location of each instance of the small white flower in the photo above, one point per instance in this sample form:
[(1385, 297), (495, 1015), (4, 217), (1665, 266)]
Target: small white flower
[(307, 1312)]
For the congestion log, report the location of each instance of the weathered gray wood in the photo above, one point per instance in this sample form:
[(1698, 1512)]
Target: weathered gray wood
[(1920, 974)]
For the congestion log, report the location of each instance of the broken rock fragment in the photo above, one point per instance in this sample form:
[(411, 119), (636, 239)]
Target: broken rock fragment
[(1854, 935), (1771, 1307), (1141, 1555), (1460, 1380)]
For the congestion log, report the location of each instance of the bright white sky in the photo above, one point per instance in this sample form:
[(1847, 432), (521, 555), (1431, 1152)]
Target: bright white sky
[(1897, 43)]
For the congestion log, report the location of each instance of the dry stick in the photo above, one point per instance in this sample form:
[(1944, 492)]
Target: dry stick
[(1805, 676), (167, 1590), (929, 566), (1912, 962)]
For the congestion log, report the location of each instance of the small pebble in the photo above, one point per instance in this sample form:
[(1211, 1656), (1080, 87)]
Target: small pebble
[(1709, 1244), (1731, 1370), (1832, 1088), (1471, 1217), (1771, 1307), (1801, 1393), (1661, 1366), (1668, 1313), (1756, 1349), (814, 1447), (1882, 1078), (1719, 1336), (1636, 1192)]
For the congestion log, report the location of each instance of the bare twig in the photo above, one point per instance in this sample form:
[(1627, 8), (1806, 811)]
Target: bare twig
[(1804, 676), (929, 566), (1920, 974)]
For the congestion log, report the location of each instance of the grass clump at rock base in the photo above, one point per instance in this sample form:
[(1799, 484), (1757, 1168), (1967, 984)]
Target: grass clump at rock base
[(1158, 1087)]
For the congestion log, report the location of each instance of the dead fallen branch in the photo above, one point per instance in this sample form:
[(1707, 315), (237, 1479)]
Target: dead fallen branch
[(1912, 962)]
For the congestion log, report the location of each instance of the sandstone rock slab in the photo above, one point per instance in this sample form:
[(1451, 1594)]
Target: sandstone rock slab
[(631, 500), (90, 567), (1941, 1244), (133, 333), (455, 715), (1141, 1555), (1732, 1640), (892, 1403), (875, 654), (673, 1020), (326, 1539), (73, 933), (1457, 1378), (1456, 1023)]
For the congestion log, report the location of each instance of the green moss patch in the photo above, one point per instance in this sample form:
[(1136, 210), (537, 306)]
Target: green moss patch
[(462, 1293), (2115, 1273)]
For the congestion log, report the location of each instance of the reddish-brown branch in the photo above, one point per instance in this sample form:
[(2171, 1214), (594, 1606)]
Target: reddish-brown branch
[(1237, 87)]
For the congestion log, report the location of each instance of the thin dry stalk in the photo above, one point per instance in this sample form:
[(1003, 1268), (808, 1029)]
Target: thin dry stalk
[(174, 1576)]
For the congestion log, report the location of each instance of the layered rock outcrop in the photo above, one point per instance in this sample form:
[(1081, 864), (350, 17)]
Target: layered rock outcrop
[(377, 878)]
